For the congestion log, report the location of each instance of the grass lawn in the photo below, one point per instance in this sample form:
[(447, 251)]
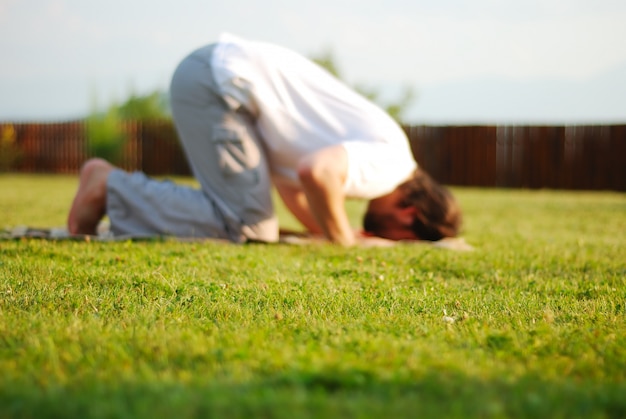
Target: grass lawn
[(535, 318)]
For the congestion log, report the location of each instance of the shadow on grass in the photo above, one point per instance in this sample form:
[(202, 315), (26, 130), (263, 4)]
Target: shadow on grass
[(326, 394)]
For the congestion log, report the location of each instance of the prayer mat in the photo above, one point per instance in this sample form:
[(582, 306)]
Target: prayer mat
[(293, 238)]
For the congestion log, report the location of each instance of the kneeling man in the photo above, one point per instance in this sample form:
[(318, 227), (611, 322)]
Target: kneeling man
[(251, 115)]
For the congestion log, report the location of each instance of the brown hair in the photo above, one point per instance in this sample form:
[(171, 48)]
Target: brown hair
[(438, 214)]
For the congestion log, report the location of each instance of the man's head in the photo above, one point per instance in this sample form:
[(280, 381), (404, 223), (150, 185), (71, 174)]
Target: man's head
[(418, 209)]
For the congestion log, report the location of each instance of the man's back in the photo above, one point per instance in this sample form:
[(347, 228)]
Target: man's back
[(301, 108)]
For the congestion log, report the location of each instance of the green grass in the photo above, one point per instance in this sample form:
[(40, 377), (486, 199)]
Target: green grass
[(162, 329)]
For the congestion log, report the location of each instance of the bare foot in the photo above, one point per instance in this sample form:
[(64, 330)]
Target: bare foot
[(89, 204)]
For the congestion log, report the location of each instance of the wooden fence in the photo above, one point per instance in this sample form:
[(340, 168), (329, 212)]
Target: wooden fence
[(557, 157)]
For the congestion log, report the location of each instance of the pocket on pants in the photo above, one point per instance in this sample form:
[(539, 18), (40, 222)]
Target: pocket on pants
[(238, 156)]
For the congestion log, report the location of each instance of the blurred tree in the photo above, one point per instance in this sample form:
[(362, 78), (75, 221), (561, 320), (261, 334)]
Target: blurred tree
[(326, 60), (396, 108), (154, 105), (106, 135), (10, 153)]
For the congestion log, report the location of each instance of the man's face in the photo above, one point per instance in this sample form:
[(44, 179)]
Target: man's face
[(388, 218)]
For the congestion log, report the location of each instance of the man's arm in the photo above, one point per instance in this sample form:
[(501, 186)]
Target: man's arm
[(322, 175), (295, 200)]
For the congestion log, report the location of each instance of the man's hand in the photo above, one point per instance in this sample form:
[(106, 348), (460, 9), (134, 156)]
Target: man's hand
[(361, 239), (367, 240)]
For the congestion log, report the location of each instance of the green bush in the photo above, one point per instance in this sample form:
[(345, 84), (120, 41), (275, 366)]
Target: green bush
[(10, 153), (105, 136)]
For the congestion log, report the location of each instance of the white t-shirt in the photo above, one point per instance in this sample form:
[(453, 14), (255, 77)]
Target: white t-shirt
[(301, 108)]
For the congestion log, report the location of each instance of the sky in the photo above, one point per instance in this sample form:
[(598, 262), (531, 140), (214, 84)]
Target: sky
[(468, 61)]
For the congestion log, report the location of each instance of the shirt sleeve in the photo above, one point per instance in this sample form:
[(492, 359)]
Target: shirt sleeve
[(375, 169)]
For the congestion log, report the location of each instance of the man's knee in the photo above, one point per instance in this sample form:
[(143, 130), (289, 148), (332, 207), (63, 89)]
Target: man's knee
[(265, 231)]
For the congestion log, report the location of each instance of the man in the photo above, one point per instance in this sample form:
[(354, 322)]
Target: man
[(251, 115)]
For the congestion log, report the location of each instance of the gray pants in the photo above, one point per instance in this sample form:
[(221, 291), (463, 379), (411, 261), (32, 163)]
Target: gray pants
[(226, 157)]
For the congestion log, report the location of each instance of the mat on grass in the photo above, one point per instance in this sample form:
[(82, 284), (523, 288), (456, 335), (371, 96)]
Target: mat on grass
[(104, 235)]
